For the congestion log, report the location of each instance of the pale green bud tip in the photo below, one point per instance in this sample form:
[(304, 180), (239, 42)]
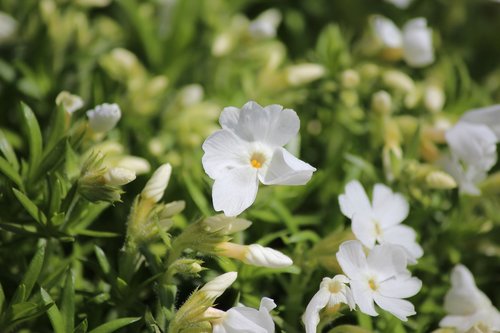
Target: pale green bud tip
[(69, 102), (119, 176), (225, 225), (304, 73), (104, 117), (350, 78), (440, 180), (172, 208), (398, 81), (217, 286), (382, 102), (434, 98), (156, 186)]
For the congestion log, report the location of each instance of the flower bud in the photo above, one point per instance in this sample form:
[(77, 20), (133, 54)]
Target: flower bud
[(350, 78), (266, 24), (434, 98), (104, 117), (137, 164), (69, 102), (440, 180), (417, 43), (191, 94), (217, 286), (172, 208), (255, 254), (382, 102), (119, 176), (398, 81), (304, 73), (158, 182), (8, 27)]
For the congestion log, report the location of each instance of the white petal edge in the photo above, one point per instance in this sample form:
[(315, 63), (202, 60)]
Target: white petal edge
[(286, 169), (310, 318), (354, 200)]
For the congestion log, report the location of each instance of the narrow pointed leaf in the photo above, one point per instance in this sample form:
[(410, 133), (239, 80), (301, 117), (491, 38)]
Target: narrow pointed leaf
[(8, 151), (55, 316), (68, 302), (31, 276), (8, 170), (30, 207), (34, 135), (115, 325)]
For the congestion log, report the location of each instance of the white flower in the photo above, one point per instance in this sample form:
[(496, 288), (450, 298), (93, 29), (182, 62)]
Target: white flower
[(254, 254), (70, 102), (415, 39), (104, 117), (417, 43), (217, 286), (403, 4), (243, 319), (466, 305), (381, 277), (8, 27), (473, 153), (379, 221), (488, 116), (332, 292), (266, 24), (158, 182), (249, 149)]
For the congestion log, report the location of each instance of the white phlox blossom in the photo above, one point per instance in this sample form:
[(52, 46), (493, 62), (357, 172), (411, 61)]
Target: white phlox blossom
[(70, 102), (472, 143), (403, 4), (468, 306), (379, 221), (104, 117), (249, 149), (415, 39), (266, 24), (380, 277), (331, 293), (8, 27), (243, 319)]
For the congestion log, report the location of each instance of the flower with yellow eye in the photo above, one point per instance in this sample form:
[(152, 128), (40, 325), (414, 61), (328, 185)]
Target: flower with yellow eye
[(249, 149)]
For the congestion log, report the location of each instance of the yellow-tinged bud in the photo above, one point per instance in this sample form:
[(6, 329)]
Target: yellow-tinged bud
[(350, 78), (217, 286), (398, 81), (134, 163), (434, 98), (157, 184), (440, 180), (254, 254), (304, 73), (382, 102), (119, 176), (225, 225), (69, 102)]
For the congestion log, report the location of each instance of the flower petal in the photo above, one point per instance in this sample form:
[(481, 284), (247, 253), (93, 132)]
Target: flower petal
[(363, 296), (405, 236), (387, 32), (223, 151), (389, 208), (363, 228), (245, 320), (489, 116), (387, 261), (417, 43), (354, 200), (286, 169), (229, 118), (310, 318), (235, 191), (398, 307), (400, 287), (271, 124), (352, 259)]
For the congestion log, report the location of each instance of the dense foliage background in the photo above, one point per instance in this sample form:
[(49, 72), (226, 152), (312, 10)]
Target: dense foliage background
[(160, 62)]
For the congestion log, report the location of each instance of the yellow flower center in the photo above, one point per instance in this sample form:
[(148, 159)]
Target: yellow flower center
[(257, 160), (334, 287), (378, 229), (372, 284)]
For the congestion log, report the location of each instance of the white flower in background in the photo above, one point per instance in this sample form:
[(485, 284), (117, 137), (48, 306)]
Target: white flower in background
[(403, 4), (468, 306), (488, 116), (381, 277), (379, 221), (243, 319), (249, 149), (415, 40), (417, 43), (472, 154), (104, 117), (158, 182), (266, 24), (217, 286), (254, 254), (8, 27), (70, 102), (332, 292)]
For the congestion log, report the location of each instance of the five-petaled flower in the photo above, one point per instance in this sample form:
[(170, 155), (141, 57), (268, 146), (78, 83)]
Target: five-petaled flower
[(379, 221), (381, 277), (249, 149)]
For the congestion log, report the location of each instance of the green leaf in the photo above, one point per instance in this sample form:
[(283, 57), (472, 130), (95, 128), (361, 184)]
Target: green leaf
[(31, 275), (30, 207), (82, 327), (2, 298), (52, 159), (10, 172), (198, 197), (8, 151), (34, 135), (26, 310), (95, 233), (114, 325), (349, 329), (57, 128), (102, 260), (68, 302), (55, 317)]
